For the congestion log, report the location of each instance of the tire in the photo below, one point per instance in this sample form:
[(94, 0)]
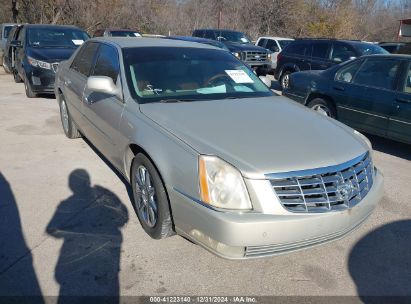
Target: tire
[(285, 79), (150, 198), (29, 91), (323, 107), (69, 127), (16, 76)]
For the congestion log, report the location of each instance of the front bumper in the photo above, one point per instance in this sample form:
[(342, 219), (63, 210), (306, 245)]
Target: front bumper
[(41, 80), (259, 235)]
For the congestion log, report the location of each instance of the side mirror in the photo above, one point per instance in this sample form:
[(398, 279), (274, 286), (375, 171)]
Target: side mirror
[(265, 80), (102, 84), (15, 43)]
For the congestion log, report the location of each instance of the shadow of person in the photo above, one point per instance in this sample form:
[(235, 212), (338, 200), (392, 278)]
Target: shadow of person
[(380, 263), (89, 222), (17, 275)]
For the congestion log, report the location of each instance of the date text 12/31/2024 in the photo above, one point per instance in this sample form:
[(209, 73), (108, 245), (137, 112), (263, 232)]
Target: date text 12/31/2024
[(203, 299)]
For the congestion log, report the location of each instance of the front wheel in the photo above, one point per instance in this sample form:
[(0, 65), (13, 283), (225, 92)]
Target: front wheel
[(323, 107), (285, 80), (16, 76), (29, 91), (150, 198)]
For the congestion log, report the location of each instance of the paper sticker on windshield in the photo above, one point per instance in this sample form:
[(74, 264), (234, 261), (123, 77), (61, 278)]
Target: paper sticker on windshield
[(77, 41), (239, 76)]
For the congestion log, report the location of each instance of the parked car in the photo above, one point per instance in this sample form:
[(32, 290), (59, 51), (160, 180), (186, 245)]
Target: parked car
[(371, 94), (200, 40), (116, 33), (9, 50), (319, 54), (39, 50), (4, 34), (405, 49), (275, 45), (391, 47), (240, 45), (206, 147)]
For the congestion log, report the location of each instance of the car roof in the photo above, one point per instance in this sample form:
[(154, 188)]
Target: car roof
[(52, 26), (127, 42), (120, 29), (276, 38), (217, 30), (391, 43)]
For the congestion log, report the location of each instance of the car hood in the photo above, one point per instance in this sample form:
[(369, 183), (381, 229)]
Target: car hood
[(51, 54), (239, 47), (259, 135)]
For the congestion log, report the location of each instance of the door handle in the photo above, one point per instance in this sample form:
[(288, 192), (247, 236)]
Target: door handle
[(402, 100), (339, 88)]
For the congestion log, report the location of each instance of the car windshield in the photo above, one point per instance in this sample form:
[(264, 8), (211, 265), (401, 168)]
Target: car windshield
[(284, 43), (188, 74), (124, 34), (370, 49), (7, 30), (233, 37), (56, 37)]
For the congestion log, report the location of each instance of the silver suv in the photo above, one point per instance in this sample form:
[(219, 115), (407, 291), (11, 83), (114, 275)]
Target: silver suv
[(211, 153)]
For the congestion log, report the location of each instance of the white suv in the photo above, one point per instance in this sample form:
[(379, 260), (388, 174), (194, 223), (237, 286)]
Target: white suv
[(275, 45)]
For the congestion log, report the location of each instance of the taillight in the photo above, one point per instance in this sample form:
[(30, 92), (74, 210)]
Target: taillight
[(279, 56)]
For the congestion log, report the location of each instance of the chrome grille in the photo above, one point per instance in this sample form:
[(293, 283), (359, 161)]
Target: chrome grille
[(335, 188), (255, 56)]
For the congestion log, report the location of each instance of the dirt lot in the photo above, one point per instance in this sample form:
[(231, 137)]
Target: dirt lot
[(92, 254)]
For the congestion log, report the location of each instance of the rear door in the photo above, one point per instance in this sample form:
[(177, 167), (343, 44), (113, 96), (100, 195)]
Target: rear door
[(75, 81), (320, 55), (372, 95), (103, 111), (297, 56), (399, 126)]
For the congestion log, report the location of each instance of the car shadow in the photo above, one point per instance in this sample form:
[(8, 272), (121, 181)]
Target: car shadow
[(17, 274), (89, 222), (46, 96), (380, 263), (275, 85), (391, 147)]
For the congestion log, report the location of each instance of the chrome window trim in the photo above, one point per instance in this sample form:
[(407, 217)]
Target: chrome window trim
[(362, 112), (316, 171), (401, 121)]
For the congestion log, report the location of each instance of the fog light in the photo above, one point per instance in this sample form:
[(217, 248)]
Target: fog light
[(36, 80), (226, 250)]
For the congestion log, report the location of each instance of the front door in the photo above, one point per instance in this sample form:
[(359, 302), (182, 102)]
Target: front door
[(399, 126)]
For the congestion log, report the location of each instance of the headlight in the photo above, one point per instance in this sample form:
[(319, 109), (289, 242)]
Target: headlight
[(269, 57), (221, 185), (237, 54), (38, 63), (364, 138)]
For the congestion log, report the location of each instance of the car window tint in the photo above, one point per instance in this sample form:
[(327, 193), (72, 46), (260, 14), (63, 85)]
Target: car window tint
[(341, 53), (296, 48), (84, 59), (262, 42), (107, 63), (347, 73), (407, 84), (320, 50), (379, 73), (209, 35), (271, 45)]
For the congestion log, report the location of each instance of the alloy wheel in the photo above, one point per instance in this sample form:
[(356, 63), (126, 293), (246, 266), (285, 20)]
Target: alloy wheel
[(64, 116), (322, 110), (147, 205)]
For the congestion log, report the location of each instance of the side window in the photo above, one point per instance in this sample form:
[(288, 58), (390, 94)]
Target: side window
[(209, 35), (262, 42), (84, 59), (107, 63), (198, 33), (407, 84), (341, 53), (379, 73), (272, 45), (320, 49), (296, 48), (347, 73)]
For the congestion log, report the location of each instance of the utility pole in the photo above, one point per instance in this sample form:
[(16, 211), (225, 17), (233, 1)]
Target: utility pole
[(220, 8), (14, 10)]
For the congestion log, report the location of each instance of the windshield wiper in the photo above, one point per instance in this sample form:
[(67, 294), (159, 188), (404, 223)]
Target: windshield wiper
[(175, 100)]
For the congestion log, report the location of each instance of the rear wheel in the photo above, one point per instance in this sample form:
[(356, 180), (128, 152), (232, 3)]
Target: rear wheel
[(69, 127), (150, 198), (16, 76), (285, 80), (323, 107)]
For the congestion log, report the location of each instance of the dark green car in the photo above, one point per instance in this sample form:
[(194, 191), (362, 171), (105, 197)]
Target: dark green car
[(371, 94)]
